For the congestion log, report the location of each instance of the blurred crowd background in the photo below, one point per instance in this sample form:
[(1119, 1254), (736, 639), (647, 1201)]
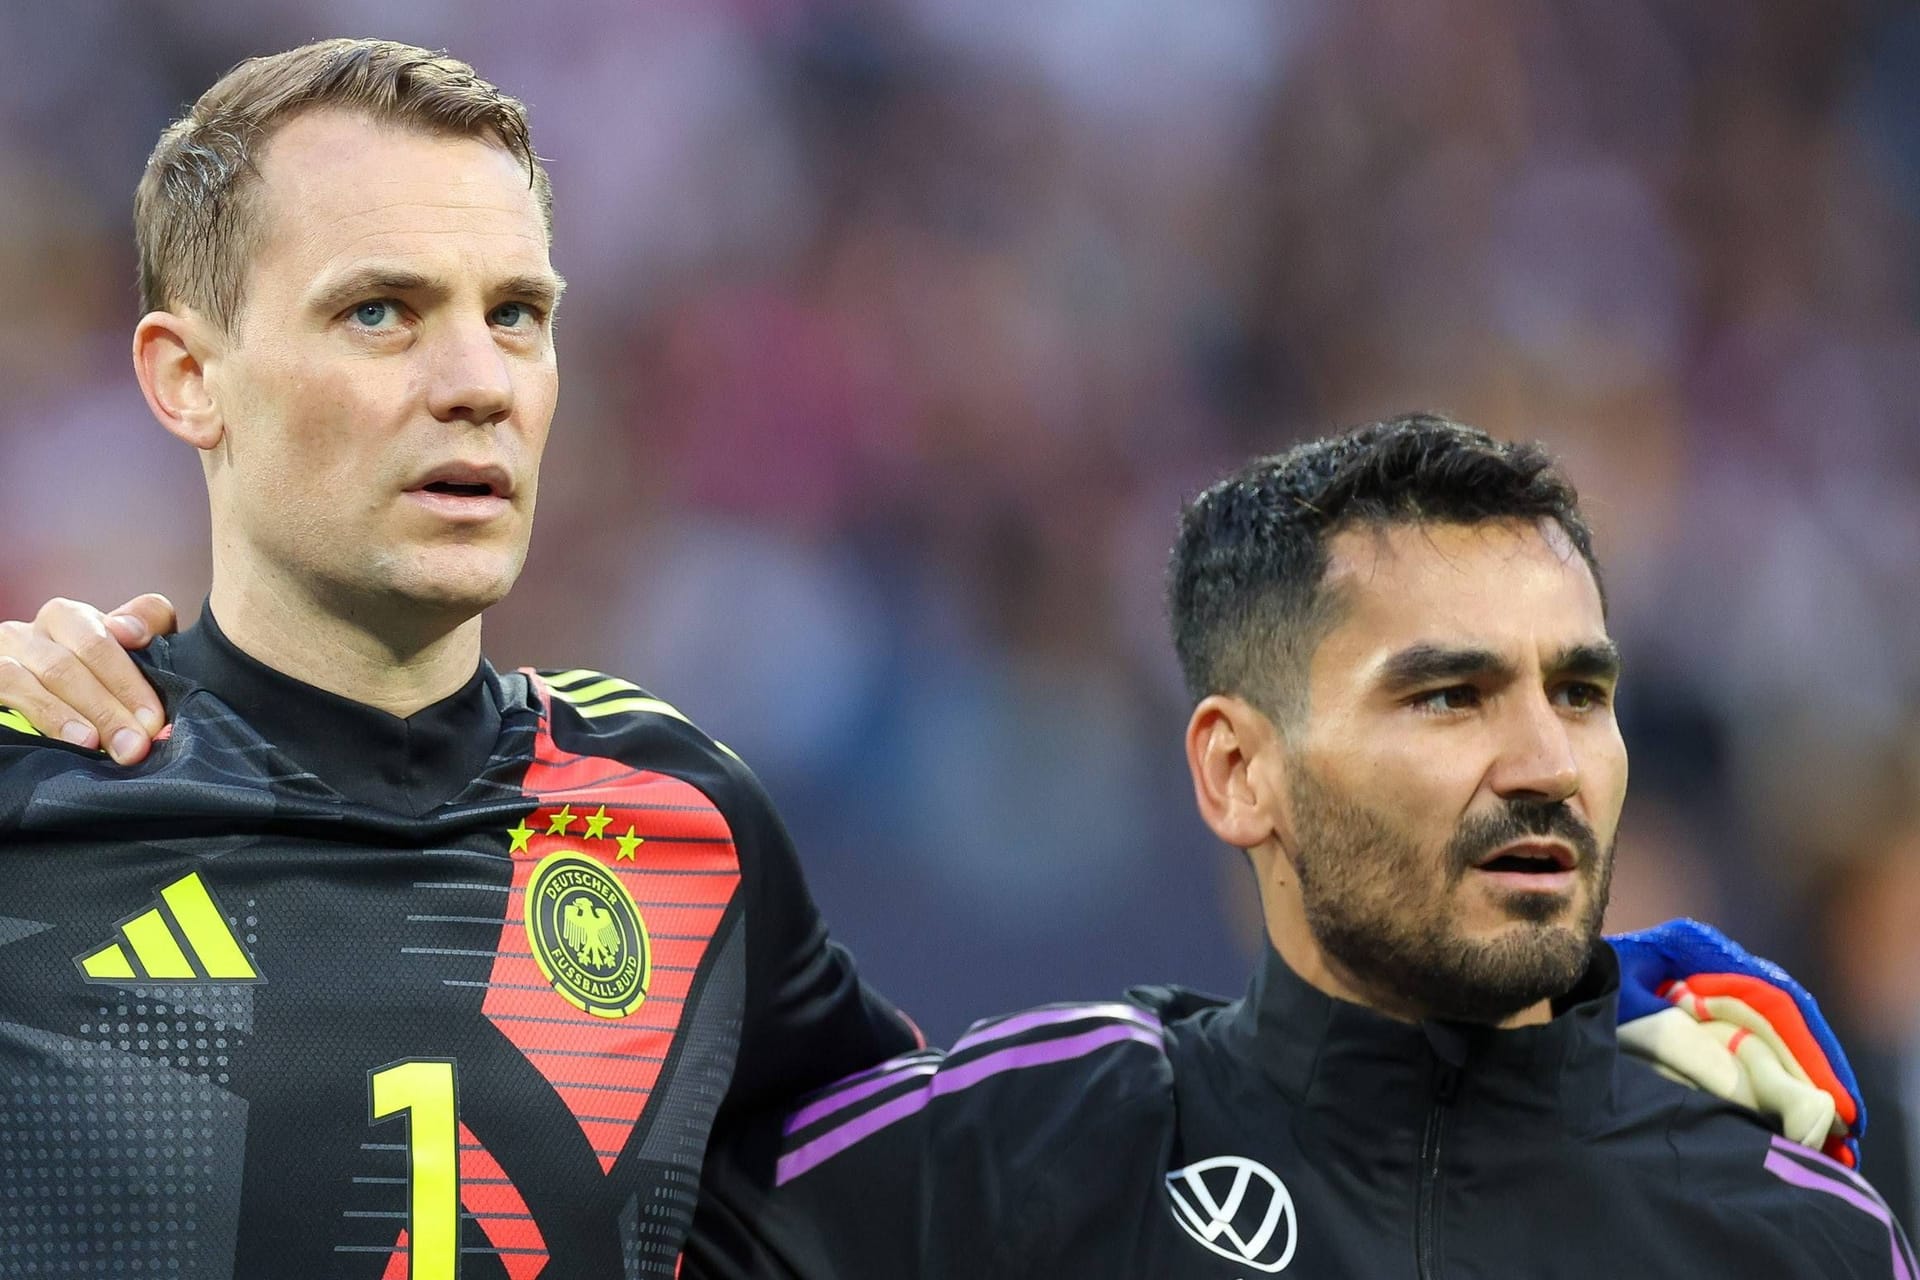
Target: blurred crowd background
[(899, 331)]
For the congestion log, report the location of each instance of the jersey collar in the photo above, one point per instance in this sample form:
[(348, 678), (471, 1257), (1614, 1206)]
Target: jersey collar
[(1325, 1052), (410, 765)]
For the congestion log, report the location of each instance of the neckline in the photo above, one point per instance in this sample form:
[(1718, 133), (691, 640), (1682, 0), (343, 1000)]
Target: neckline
[(411, 764), (1328, 1052)]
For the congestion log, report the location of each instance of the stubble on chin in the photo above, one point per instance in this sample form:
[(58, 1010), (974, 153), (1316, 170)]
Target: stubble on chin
[(1386, 912)]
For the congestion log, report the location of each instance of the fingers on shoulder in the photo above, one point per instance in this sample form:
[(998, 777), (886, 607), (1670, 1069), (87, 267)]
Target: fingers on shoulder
[(22, 691), (145, 616)]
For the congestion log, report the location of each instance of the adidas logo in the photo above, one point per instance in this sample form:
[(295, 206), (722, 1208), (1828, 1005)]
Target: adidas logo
[(184, 937)]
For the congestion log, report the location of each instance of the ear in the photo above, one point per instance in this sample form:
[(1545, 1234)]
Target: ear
[(171, 351), (1237, 759)]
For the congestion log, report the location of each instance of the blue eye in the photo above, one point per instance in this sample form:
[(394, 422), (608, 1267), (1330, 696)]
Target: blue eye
[(373, 315), (509, 314)]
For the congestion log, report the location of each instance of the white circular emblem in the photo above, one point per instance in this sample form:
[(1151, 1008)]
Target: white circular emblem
[(1236, 1207)]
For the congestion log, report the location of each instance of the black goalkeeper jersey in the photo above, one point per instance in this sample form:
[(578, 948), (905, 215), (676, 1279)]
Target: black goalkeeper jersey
[(315, 991)]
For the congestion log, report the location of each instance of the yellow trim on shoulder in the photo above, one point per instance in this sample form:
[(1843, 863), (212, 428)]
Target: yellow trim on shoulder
[(580, 687), (567, 679), (595, 693), (13, 720), (617, 705), (586, 693)]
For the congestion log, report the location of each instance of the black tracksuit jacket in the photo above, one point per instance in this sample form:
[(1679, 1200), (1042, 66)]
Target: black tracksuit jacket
[(1174, 1135)]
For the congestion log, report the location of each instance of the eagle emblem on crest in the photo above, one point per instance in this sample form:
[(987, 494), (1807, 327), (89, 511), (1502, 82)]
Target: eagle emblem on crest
[(587, 936)]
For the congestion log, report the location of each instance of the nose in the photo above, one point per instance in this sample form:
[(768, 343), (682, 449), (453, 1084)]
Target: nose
[(472, 381), (1536, 760)]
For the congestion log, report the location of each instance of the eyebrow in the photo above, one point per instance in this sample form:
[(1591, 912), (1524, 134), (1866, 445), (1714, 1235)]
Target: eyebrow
[(1588, 661), (542, 290), (1425, 664), (367, 282)]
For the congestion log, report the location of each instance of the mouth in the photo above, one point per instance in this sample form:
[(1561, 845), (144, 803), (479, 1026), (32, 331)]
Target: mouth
[(461, 485), (1548, 861), (460, 490)]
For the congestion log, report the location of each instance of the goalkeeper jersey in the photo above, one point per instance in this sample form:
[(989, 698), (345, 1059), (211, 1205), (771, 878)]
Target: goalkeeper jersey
[(315, 991)]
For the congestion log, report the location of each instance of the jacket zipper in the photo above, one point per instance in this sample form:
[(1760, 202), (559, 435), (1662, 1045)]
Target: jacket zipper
[(1426, 1226)]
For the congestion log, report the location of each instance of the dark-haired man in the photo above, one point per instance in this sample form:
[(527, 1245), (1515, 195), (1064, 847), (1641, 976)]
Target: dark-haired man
[(1397, 648)]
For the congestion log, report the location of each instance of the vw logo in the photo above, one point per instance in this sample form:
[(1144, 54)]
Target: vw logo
[(1236, 1207)]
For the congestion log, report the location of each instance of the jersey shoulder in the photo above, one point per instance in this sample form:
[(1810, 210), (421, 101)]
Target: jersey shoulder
[(23, 746), (585, 713), (606, 702), (614, 716), (598, 696), (18, 731), (1840, 1220), (1738, 1177), (1032, 1081)]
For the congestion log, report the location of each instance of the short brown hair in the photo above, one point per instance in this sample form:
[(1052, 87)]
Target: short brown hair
[(194, 215)]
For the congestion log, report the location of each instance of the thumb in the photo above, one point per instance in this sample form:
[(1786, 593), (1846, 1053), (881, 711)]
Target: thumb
[(140, 619)]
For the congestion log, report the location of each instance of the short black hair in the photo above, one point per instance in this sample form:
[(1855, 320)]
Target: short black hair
[(1244, 588)]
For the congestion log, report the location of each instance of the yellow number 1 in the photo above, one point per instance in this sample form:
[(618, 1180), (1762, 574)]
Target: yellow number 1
[(422, 1088)]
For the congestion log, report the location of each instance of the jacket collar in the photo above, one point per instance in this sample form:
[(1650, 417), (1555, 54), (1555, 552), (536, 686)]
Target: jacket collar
[(1328, 1053), (409, 765)]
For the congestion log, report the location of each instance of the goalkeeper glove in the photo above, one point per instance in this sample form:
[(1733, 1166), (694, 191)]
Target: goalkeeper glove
[(1707, 1012)]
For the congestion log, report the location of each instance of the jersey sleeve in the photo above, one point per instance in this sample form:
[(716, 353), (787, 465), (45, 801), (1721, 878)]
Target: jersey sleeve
[(953, 1163), (1837, 1217)]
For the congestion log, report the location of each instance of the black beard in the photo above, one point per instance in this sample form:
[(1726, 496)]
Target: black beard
[(1379, 907)]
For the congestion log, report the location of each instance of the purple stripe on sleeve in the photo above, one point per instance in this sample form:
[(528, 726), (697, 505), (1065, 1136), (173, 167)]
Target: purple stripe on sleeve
[(820, 1108), (834, 1141), (898, 1067), (1819, 1158), (1787, 1169), (867, 1083), (1013, 1026), (1808, 1154), (1037, 1055)]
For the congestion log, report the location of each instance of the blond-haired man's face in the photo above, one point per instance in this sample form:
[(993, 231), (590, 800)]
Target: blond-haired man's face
[(387, 388)]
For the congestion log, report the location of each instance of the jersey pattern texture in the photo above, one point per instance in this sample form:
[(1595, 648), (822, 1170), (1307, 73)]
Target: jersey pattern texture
[(252, 1028)]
